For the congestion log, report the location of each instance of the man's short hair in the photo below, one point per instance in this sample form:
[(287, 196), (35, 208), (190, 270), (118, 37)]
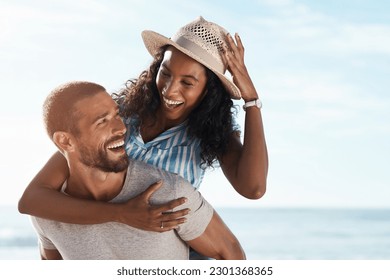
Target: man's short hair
[(59, 112)]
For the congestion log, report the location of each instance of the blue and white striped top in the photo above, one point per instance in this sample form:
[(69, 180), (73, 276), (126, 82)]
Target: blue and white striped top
[(173, 150)]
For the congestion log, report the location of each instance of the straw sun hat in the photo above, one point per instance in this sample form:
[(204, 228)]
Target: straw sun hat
[(201, 40)]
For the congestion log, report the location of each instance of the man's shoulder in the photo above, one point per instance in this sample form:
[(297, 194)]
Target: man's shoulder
[(171, 181), (144, 169)]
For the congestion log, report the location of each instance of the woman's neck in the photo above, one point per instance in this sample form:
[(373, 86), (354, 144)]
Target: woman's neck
[(151, 128)]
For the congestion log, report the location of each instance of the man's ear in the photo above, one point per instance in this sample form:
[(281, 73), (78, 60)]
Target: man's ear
[(64, 141)]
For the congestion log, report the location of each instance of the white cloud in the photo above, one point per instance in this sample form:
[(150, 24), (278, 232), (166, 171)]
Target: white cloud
[(24, 148), (365, 38), (300, 28), (31, 28), (308, 86)]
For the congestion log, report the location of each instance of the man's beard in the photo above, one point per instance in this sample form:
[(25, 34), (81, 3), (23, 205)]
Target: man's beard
[(100, 160)]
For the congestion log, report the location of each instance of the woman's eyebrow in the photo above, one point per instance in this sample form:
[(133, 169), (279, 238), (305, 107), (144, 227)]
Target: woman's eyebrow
[(186, 76)]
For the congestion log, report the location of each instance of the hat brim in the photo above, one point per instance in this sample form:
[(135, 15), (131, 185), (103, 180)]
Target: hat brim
[(154, 41)]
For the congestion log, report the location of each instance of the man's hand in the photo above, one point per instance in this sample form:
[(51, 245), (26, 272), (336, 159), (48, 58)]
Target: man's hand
[(138, 213)]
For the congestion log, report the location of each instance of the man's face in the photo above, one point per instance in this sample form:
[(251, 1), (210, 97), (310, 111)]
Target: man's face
[(100, 143)]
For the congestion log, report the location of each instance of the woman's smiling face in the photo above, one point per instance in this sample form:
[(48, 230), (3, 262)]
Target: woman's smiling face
[(181, 82)]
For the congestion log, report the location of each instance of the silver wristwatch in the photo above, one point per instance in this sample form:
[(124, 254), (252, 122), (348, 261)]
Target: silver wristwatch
[(256, 103)]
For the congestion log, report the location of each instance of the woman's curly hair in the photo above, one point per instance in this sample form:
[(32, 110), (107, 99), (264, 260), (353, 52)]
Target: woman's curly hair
[(211, 121)]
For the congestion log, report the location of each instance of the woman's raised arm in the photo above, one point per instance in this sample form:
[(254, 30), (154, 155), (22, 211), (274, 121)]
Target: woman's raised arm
[(245, 165)]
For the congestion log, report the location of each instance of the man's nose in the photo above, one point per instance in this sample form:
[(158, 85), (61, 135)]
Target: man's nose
[(119, 127)]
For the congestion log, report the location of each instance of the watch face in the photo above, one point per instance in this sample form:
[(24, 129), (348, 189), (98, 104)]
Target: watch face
[(258, 103)]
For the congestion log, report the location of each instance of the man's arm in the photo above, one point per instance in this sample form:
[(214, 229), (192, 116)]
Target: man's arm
[(218, 242)]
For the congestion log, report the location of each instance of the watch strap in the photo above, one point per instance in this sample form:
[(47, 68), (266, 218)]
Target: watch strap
[(252, 103)]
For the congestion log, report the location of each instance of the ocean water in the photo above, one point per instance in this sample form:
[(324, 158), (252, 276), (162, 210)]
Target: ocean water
[(265, 233)]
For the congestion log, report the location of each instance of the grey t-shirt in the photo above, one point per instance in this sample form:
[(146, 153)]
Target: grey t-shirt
[(119, 241)]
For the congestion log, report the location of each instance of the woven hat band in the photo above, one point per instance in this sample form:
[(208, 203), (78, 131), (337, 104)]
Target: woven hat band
[(200, 53)]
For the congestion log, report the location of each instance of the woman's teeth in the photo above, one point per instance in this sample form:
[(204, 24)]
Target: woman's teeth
[(172, 103)]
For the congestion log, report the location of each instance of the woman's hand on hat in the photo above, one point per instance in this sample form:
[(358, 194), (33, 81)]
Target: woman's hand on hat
[(234, 56)]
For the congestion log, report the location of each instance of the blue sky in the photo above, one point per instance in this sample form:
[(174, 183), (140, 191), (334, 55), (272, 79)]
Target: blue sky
[(321, 68)]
